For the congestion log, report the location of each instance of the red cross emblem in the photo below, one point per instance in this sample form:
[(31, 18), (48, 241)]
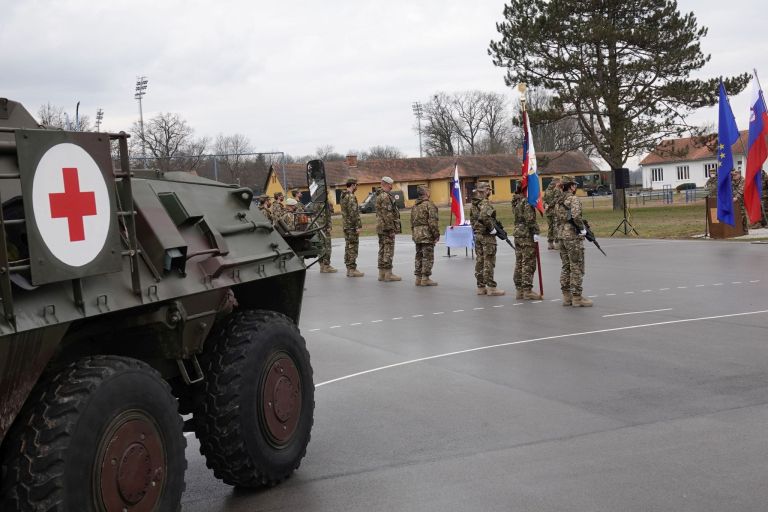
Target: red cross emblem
[(73, 204)]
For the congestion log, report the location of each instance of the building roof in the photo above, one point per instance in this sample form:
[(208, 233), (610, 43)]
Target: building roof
[(689, 149), (435, 168)]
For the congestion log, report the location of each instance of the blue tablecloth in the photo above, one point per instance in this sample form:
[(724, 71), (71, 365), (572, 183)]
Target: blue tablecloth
[(459, 236)]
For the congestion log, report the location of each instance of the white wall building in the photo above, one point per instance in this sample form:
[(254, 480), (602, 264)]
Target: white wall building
[(687, 160)]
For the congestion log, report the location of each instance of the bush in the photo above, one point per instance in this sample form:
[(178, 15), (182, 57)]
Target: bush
[(685, 186)]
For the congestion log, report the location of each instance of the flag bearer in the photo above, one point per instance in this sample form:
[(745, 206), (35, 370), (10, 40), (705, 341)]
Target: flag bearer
[(526, 235)]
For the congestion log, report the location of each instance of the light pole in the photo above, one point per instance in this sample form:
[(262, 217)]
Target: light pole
[(418, 111), (99, 117), (141, 88)]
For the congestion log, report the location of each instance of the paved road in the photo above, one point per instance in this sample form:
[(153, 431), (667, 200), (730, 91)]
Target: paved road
[(435, 399)]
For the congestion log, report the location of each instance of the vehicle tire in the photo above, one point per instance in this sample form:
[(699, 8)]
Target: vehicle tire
[(255, 415), (103, 434)]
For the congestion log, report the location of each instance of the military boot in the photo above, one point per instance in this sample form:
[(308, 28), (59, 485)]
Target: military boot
[(389, 276), (518, 294), (426, 281), (567, 299), (382, 273), (581, 302), (481, 290), (418, 281), (327, 269), (531, 295), (495, 292), (353, 272)]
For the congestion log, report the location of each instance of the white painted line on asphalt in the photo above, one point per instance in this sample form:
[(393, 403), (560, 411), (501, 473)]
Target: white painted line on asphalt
[(458, 310), (532, 340), (334, 327), (735, 282), (554, 300), (356, 323), (682, 287), (478, 309), (645, 291), (717, 284), (313, 330), (397, 318), (439, 313), (416, 316), (591, 296), (638, 312), (376, 321), (537, 302), (610, 294), (755, 281), (628, 293), (700, 285), (663, 289), (517, 304), (499, 306)]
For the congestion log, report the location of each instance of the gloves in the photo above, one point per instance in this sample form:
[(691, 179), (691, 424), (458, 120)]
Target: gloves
[(536, 238), (493, 231), (583, 232)]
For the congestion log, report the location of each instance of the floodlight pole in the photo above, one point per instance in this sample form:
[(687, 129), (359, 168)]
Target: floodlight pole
[(141, 89), (418, 111)]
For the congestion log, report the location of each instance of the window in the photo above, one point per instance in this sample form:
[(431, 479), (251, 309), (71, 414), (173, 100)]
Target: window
[(512, 184), (338, 191), (738, 165), (708, 168), (683, 173), (657, 174), (413, 190), (493, 186)]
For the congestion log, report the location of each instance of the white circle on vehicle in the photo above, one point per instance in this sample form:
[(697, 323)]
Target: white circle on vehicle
[(71, 204)]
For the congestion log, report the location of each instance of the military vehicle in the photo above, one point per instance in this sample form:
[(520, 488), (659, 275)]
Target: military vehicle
[(137, 305), (369, 203)]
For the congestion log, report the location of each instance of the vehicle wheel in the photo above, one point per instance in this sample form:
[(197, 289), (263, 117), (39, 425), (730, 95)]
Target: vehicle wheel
[(103, 434), (256, 411)]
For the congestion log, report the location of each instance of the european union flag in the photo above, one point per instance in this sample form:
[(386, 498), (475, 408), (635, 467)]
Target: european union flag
[(727, 135)]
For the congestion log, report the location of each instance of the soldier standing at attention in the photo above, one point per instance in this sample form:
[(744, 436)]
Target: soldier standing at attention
[(549, 211), (277, 205), (264, 206), (711, 185), (737, 189), (482, 216), (325, 258), (425, 233), (350, 214), (526, 235), (571, 237), (387, 226)]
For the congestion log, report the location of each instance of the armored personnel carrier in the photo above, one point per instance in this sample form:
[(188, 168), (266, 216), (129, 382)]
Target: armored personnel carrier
[(134, 306)]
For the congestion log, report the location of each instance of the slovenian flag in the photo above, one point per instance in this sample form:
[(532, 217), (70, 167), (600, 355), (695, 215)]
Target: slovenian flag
[(727, 135), (530, 174), (756, 153), (457, 205)]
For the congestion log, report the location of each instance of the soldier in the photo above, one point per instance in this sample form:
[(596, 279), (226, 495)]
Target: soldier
[(387, 226), (264, 205), (325, 258), (288, 215), (737, 189), (526, 235), (571, 237), (425, 233), (297, 196), (350, 214), (549, 211), (711, 185), (482, 215), (277, 205)]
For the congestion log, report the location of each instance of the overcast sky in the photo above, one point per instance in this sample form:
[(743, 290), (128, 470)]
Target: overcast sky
[(293, 75)]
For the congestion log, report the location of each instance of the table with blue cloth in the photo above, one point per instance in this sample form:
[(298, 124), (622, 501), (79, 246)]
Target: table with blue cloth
[(459, 236)]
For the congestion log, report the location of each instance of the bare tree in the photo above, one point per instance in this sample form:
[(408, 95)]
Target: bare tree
[(327, 154), (468, 108), (171, 142), (495, 122), (381, 153), (552, 130), (53, 116), (439, 125), (231, 151)]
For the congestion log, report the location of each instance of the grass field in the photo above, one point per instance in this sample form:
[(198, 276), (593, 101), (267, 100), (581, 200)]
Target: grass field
[(654, 220)]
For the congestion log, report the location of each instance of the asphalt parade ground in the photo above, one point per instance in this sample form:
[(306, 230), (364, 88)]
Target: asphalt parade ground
[(435, 399)]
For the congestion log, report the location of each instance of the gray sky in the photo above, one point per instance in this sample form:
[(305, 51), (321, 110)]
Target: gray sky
[(292, 75)]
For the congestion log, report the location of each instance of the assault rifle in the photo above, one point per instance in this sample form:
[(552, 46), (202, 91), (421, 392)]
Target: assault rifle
[(500, 232), (590, 236)]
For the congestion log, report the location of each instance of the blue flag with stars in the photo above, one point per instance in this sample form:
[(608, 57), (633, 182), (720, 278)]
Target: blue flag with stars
[(727, 135)]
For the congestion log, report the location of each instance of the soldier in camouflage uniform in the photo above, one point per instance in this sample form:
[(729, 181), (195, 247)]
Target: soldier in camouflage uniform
[(549, 211), (737, 188), (711, 185), (277, 205), (526, 236), (387, 226), (425, 233), (350, 214), (264, 206), (325, 258), (571, 237), (482, 216), (288, 215)]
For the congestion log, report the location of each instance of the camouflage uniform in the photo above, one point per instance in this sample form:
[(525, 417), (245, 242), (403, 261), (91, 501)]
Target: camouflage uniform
[(387, 225), (481, 216), (350, 214), (525, 248), (277, 209), (266, 211), (737, 188), (711, 186), (425, 233), (550, 195), (325, 258), (571, 245), (289, 219)]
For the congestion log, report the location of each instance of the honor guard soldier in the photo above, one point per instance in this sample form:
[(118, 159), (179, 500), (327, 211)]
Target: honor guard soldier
[(571, 237), (350, 215), (482, 216), (550, 195), (387, 226), (425, 233), (526, 236)]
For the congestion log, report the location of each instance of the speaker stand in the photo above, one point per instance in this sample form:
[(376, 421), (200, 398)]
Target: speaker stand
[(625, 226)]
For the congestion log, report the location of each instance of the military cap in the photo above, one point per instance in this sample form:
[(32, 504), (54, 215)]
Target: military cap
[(351, 181), (482, 185), (291, 202), (387, 179), (277, 194), (567, 179), (422, 190)]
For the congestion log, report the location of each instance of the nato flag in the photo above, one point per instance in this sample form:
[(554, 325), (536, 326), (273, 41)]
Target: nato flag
[(727, 135)]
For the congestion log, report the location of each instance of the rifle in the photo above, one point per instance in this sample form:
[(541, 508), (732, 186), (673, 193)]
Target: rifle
[(500, 233), (590, 236)]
